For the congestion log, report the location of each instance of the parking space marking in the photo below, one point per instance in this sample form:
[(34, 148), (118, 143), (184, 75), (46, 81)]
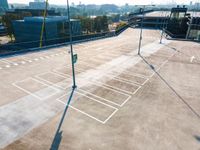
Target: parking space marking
[(54, 84), (8, 66), (127, 92), (32, 94), (36, 59), (15, 64), (67, 67), (129, 81), (101, 121), (135, 74), (115, 78), (109, 101), (6, 61), (23, 62)]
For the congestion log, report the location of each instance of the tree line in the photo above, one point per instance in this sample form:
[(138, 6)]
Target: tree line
[(93, 25)]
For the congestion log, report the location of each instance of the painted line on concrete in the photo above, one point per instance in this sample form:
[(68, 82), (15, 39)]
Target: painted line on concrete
[(7, 66), (101, 121), (104, 99), (127, 92), (114, 78), (32, 94), (192, 58), (64, 75), (23, 62), (51, 83)]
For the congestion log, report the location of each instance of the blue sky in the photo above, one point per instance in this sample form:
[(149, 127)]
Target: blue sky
[(118, 2)]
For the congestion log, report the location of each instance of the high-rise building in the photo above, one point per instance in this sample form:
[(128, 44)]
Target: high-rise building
[(4, 4), (37, 4)]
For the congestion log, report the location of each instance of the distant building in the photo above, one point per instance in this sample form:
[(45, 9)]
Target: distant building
[(33, 12), (149, 21), (3, 6), (178, 22), (2, 30), (37, 4), (194, 29), (56, 29)]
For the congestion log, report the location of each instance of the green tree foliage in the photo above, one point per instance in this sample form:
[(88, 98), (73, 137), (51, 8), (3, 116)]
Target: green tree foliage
[(8, 18), (93, 25), (101, 24), (121, 25)]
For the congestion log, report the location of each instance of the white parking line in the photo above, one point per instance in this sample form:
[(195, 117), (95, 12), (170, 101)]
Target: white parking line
[(129, 81), (32, 94), (101, 121), (15, 64), (64, 75), (36, 59), (128, 92), (23, 62), (192, 58), (41, 58), (128, 96), (54, 84), (114, 78), (136, 74), (7, 66)]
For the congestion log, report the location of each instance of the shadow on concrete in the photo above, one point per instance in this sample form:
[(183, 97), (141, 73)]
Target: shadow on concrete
[(170, 87), (174, 49), (58, 136), (170, 47), (197, 138)]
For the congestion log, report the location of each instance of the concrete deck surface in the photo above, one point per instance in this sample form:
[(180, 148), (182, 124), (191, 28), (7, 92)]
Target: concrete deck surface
[(123, 101)]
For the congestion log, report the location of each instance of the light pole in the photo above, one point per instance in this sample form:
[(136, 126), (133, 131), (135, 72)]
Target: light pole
[(163, 27), (71, 46), (142, 22), (43, 24)]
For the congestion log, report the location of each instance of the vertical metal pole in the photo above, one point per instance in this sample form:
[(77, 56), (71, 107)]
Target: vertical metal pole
[(163, 26), (140, 40), (189, 28), (43, 24), (71, 46)]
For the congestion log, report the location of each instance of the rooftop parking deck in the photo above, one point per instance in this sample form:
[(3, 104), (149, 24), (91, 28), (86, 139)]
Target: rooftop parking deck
[(123, 101)]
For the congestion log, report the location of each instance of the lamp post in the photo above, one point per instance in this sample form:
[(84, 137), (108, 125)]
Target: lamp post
[(71, 46), (142, 23), (43, 24), (141, 26), (163, 27)]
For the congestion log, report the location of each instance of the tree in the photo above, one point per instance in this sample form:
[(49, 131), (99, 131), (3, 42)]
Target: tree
[(121, 25), (101, 24), (91, 25)]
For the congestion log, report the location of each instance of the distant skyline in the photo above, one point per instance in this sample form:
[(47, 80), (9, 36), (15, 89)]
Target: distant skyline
[(117, 2)]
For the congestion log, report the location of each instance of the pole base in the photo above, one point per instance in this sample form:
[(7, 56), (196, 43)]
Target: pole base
[(74, 86)]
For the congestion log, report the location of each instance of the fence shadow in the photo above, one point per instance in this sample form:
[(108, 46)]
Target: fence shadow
[(58, 135), (170, 87)]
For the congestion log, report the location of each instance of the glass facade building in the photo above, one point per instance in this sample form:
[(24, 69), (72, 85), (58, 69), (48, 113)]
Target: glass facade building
[(56, 27), (3, 6)]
